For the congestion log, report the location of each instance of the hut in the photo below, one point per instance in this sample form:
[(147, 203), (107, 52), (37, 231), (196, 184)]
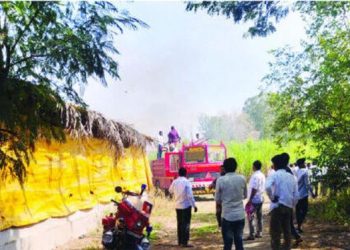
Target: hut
[(70, 178)]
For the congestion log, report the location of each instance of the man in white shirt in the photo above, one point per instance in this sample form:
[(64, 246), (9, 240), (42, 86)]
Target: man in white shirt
[(231, 190), (160, 140), (271, 171), (283, 192), (184, 200), (294, 168), (255, 195)]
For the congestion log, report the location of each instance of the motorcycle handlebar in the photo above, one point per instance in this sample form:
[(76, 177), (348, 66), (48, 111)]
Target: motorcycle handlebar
[(129, 193), (118, 189), (143, 188), (115, 202)]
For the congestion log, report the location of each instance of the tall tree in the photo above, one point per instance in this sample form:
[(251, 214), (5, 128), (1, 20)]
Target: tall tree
[(313, 83), (314, 86), (46, 50)]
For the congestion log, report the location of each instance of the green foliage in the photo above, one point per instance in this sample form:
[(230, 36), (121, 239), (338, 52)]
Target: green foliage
[(249, 151), (263, 14), (60, 44), (266, 14), (314, 89), (47, 49), (204, 218), (205, 230), (334, 208), (27, 112), (153, 154), (155, 232)]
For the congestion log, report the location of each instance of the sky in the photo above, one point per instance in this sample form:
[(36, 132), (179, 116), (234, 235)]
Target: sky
[(184, 65)]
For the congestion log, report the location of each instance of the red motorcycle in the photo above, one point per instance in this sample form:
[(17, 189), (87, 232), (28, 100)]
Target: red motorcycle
[(124, 229)]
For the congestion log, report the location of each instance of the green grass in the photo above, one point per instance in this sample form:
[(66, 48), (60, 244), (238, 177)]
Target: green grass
[(249, 151), (152, 155), (154, 234), (205, 230), (204, 218)]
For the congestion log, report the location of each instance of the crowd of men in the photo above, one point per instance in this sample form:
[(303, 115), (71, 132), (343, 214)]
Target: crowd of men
[(286, 186)]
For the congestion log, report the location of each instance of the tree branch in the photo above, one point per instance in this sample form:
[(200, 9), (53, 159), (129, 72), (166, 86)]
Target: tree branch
[(25, 59), (20, 35)]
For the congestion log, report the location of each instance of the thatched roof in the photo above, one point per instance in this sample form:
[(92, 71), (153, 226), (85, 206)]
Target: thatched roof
[(86, 123)]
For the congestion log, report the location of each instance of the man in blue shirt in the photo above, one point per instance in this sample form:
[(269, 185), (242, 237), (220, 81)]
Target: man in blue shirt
[(304, 188)]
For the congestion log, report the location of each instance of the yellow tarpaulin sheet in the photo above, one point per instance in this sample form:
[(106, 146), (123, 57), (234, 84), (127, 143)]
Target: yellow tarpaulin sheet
[(64, 178)]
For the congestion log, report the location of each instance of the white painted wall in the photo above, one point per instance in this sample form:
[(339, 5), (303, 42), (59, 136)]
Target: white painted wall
[(53, 232)]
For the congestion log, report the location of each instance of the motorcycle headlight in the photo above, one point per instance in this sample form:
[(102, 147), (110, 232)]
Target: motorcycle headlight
[(138, 224), (107, 238), (145, 244)]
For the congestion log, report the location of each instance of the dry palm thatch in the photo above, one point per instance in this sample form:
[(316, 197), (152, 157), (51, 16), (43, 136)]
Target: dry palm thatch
[(80, 122)]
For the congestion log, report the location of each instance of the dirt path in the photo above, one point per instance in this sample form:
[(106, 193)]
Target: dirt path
[(204, 232), (206, 235)]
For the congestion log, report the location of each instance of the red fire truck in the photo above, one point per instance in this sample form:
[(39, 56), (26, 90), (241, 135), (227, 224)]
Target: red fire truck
[(202, 162)]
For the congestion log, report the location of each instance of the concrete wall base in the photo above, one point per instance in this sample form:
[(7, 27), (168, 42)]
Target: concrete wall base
[(54, 231)]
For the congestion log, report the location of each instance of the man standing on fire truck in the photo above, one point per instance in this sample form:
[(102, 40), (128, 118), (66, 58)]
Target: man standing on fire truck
[(173, 139), (182, 190)]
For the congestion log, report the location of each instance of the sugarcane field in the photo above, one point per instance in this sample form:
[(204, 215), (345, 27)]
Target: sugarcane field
[(163, 125)]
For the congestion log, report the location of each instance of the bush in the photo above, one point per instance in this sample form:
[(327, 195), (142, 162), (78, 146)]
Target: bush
[(333, 208)]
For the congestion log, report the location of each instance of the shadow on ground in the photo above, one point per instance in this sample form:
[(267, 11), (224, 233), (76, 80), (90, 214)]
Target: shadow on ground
[(204, 198)]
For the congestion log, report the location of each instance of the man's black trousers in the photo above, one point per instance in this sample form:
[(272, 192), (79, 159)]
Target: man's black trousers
[(301, 210), (183, 217)]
